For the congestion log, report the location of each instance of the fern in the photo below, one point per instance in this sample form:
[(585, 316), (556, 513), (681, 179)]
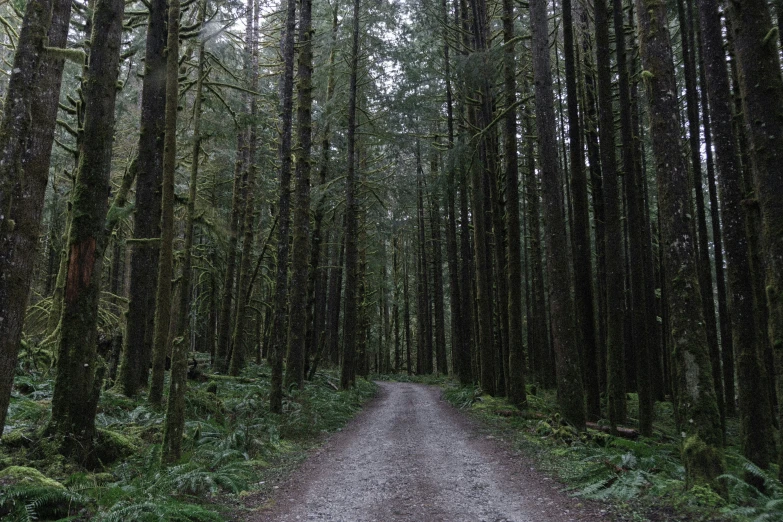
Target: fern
[(156, 510), (759, 494), (26, 502)]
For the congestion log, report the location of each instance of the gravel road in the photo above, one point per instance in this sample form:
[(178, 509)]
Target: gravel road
[(409, 457)]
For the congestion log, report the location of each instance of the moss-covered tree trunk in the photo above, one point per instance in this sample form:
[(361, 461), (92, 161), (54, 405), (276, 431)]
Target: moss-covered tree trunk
[(702, 248), (77, 383), (540, 361), (140, 318), (238, 350), (333, 306), (754, 406), (223, 348), (318, 278), (297, 328), (20, 241), (424, 303), (160, 346), (561, 305), (280, 326), (406, 313), (761, 86), (695, 393), (175, 407), (726, 336), (396, 303)]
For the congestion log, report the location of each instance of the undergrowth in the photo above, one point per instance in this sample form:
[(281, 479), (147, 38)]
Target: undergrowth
[(230, 440), (643, 479)]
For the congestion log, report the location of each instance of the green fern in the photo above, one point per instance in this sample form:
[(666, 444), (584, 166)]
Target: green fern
[(758, 493), (156, 510), (27, 502)]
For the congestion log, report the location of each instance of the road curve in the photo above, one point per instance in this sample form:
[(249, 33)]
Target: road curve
[(411, 457)]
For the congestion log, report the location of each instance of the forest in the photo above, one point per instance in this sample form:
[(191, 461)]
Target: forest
[(217, 211)]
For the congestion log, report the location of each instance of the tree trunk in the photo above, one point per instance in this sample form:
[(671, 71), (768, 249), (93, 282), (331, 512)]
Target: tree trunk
[(759, 65), (280, 327), (28, 198), (301, 232), (437, 263), (696, 403), (351, 313), (615, 292), (77, 384), (702, 250), (175, 407), (633, 184), (161, 348), (244, 289), (561, 305), (140, 319), (754, 408), (583, 273), (727, 343)]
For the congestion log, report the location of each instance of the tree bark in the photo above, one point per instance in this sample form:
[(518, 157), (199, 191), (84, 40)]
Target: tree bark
[(77, 384), (634, 181), (583, 262), (140, 319), (28, 198), (280, 327), (351, 313), (561, 305), (761, 86), (696, 402)]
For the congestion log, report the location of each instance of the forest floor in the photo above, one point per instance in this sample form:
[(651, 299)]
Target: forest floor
[(411, 456)]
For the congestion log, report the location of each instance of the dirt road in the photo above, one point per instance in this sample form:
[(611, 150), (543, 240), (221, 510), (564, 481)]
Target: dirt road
[(412, 457)]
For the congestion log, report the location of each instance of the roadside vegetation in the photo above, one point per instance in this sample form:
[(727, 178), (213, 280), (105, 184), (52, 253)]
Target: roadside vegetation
[(640, 478), (232, 445)]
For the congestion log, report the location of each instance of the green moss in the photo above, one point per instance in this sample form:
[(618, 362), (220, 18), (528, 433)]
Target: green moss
[(25, 475), (703, 464), (15, 439), (112, 446)]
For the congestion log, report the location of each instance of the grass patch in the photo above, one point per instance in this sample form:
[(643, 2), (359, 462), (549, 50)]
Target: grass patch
[(232, 444)]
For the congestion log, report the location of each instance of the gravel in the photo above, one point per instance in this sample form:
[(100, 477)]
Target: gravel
[(409, 457)]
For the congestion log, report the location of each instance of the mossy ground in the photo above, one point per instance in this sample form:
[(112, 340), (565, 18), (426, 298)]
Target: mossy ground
[(639, 480), (232, 444)]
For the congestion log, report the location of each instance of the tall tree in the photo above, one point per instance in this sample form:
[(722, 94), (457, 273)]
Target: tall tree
[(615, 291), (175, 407), (516, 351), (351, 313), (699, 418), (79, 378), (759, 65), (569, 377), (280, 327), (16, 244), (583, 276), (140, 319), (755, 421), (301, 246), (634, 197), (244, 289)]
